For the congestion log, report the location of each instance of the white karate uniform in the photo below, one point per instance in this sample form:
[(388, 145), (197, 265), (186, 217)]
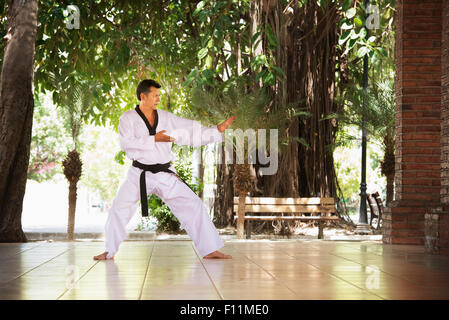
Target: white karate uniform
[(136, 141)]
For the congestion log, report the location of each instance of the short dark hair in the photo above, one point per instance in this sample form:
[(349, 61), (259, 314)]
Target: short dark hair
[(145, 86)]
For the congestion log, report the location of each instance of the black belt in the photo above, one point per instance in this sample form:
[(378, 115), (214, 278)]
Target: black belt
[(153, 168)]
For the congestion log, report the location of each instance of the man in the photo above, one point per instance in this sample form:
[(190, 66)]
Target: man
[(146, 135)]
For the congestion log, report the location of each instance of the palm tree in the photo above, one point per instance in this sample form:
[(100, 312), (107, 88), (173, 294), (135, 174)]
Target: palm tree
[(252, 112), (74, 97), (72, 170)]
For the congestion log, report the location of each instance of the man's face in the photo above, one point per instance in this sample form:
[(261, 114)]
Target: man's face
[(151, 99)]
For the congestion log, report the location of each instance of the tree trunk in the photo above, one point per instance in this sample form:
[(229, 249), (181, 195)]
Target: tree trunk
[(243, 183), (256, 13), (241, 215), (390, 189), (198, 168), (200, 171), (72, 165), (16, 115), (224, 194), (306, 52), (316, 81), (72, 210), (388, 163)]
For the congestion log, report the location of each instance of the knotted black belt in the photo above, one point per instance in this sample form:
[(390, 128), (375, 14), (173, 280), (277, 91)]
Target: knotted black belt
[(153, 168)]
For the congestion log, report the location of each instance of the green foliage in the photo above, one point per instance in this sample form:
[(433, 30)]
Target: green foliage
[(48, 142), (183, 45), (347, 166), (356, 43), (120, 157), (102, 175), (354, 34), (349, 178), (73, 95), (251, 109), (264, 64), (378, 113), (220, 25), (119, 43), (166, 221), (216, 106)]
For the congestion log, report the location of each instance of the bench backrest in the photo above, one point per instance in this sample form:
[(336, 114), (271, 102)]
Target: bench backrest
[(380, 206), (293, 205), (373, 205)]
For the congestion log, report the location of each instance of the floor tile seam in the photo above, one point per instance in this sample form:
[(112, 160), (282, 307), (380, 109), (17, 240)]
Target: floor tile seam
[(79, 279), (335, 276), (13, 256), (271, 275), (401, 260), (39, 265), (347, 245), (415, 284), (67, 290), (336, 255), (382, 270), (22, 251), (146, 271), (350, 283), (207, 272), (388, 273)]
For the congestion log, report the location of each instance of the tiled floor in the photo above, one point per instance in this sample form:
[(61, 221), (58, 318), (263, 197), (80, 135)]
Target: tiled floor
[(295, 269)]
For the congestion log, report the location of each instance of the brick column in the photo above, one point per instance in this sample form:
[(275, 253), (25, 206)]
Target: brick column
[(418, 103), (445, 106), (437, 220)]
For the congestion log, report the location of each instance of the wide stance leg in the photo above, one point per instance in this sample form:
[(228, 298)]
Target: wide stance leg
[(121, 212), (190, 211)]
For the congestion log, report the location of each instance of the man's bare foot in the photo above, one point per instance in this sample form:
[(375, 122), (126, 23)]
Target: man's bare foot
[(103, 256), (217, 255)]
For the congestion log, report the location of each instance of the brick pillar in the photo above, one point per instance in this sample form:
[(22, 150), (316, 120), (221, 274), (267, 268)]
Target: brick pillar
[(418, 103), (437, 219), (445, 106)]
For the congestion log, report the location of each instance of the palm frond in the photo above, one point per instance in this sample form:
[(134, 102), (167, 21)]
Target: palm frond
[(250, 108), (378, 113)]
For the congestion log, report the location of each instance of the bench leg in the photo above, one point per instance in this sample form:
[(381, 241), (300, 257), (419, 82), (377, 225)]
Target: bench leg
[(320, 229), (248, 229)]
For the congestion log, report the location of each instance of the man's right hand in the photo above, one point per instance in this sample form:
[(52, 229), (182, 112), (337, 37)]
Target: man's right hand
[(161, 137)]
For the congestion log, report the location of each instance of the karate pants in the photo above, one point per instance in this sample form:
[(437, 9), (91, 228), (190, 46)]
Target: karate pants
[(182, 201)]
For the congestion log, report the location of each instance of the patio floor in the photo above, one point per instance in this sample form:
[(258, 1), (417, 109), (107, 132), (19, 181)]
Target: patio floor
[(260, 269)]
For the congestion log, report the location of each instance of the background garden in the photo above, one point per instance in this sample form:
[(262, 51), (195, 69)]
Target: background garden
[(292, 65)]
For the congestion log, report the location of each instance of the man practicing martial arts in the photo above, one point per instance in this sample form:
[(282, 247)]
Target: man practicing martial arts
[(146, 135)]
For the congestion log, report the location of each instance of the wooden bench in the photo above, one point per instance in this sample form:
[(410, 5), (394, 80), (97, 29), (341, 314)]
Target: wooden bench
[(318, 209), (376, 208)]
